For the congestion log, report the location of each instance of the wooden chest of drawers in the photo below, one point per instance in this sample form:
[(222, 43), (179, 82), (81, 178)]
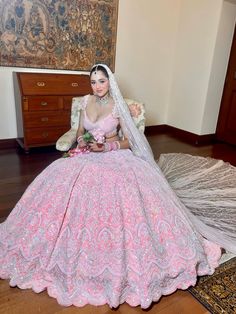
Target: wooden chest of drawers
[(43, 105)]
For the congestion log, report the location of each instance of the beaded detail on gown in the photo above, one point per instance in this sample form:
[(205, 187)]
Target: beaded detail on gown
[(96, 229)]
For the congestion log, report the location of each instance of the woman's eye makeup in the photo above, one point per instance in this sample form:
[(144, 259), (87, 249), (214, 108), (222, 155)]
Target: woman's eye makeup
[(99, 81)]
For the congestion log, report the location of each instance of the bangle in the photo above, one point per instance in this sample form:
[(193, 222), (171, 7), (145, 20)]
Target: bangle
[(109, 146), (117, 144), (79, 138)]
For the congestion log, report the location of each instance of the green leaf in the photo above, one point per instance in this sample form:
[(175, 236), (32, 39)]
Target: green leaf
[(88, 137)]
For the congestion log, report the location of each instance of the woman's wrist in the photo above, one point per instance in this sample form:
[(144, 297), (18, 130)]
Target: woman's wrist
[(109, 146)]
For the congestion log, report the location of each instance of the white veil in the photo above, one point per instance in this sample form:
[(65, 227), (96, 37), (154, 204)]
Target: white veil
[(206, 220)]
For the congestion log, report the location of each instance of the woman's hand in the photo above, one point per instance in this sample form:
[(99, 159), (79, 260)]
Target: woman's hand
[(96, 147), (81, 142)]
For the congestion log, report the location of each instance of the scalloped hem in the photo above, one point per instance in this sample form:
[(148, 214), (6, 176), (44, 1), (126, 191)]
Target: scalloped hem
[(132, 300)]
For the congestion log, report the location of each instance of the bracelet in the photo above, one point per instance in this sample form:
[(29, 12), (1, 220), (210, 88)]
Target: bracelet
[(118, 144), (79, 138), (109, 146)]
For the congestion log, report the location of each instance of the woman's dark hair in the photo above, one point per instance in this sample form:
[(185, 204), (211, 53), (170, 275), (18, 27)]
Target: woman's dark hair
[(99, 68)]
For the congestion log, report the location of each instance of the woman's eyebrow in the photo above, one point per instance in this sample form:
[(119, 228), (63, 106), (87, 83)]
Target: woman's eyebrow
[(101, 79)]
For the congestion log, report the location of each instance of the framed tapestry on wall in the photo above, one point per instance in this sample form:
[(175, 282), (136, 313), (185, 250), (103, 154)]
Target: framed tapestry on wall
[(58, 34)]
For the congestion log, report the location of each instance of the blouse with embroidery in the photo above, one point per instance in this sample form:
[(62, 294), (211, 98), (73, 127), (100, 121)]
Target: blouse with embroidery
[(108, 124)]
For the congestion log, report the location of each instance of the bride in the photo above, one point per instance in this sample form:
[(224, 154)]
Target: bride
[(104, 225)]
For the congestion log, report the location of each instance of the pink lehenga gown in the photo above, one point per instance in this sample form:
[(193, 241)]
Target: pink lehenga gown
[(97, 228)]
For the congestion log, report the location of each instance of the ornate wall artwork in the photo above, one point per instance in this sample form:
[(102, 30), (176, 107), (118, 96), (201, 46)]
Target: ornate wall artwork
[(58, 34)]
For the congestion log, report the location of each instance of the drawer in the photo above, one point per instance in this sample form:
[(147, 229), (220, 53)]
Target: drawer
[(54, 84), (43, 103), (67, 102), (46, 118), (45, 135)]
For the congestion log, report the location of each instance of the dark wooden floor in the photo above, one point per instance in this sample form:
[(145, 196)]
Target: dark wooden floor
[(17, 170)]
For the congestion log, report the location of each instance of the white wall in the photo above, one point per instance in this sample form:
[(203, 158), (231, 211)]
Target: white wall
[(201, 57), (164, 57), (193, 58), (7, 105), (219, 67), (145, 50)]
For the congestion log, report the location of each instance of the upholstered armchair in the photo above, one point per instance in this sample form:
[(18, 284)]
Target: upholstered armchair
[(65, 142)]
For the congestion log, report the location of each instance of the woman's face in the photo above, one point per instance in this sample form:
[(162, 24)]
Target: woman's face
[(99, 83)]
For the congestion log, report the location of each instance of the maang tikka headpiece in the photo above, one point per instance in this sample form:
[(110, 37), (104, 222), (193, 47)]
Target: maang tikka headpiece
[(96, 68)]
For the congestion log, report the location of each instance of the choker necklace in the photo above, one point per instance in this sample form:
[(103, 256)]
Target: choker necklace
[(103, 100)]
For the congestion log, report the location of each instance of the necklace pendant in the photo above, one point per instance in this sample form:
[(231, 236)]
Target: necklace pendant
[(103, 101)]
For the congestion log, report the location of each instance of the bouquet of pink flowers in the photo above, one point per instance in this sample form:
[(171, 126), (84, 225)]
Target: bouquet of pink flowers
[(96, 135)]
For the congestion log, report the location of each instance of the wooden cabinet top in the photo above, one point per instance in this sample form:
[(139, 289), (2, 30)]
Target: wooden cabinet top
[(52, 84)]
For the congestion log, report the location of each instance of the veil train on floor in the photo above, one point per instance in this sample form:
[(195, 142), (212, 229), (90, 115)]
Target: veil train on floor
[(207, 187)]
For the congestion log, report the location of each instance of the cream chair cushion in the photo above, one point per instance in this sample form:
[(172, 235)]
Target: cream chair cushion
[(65, 142)]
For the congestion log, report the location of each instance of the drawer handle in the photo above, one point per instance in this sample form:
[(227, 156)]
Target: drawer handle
[(74, 84), (45, 134), (43, 103), (44, 119), (41, 84)]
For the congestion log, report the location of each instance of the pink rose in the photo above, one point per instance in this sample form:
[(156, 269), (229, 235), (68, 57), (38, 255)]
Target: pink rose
[(98, 135)]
